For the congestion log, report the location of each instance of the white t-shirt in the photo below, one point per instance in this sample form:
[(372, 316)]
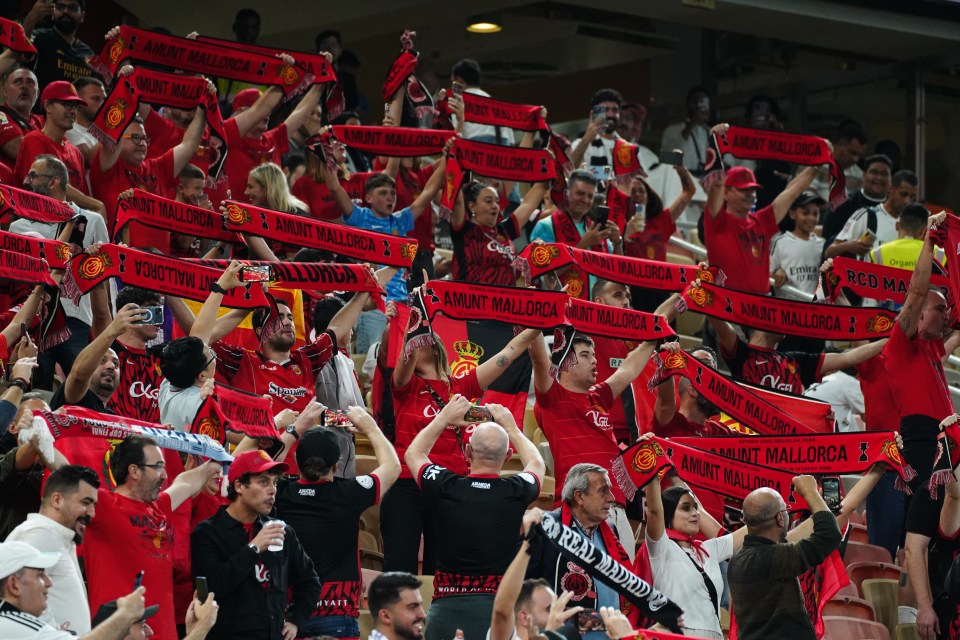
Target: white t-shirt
[(472, 130), (178, 407), (67, 598), (79, 134), (843, 393), (857, 226), (17, 625), (694, 146), (95, 231), (800, 259), (675, 577)]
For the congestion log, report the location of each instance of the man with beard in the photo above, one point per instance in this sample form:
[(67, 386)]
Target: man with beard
[(60, 54), (595, 148), (16, 119), (396, 606), (92, 92), (60, 103), (250, 561), (69, 503), (48, 176), (763, 574), (132, 534)]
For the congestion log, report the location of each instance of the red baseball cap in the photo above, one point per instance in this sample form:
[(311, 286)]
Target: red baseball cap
[(245, 98), (741, 178), (253, 462), (62, 91)]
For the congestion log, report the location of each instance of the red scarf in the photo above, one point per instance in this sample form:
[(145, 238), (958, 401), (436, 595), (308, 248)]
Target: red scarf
[(24, 268), (170, 276), (13, 37), (824, 453), (947, 235), (533, 308), (505, 163), (875, 281), (230, 409), (816, 415), (33, 206), (626, 160), (368, 246), (197, 56), (401, 74), (760, 144), (779, 315), (497, 113), (162, 213), (394, 142), (566, 233), (734, 478), (618, 202), (55, 253), (696, 543), (731, 398), (538, 259), (159, 88), (614, 322), (311, 276)]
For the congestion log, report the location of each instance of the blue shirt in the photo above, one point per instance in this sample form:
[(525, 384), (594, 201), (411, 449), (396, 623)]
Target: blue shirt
[(398, 223)]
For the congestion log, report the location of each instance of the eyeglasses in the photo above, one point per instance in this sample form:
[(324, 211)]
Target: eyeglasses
[(33, 175), (213, 358), (136, 138), (156, 466), (67, 7)]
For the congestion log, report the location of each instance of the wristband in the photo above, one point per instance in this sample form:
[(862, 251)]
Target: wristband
[(20, 382), (216, 288)]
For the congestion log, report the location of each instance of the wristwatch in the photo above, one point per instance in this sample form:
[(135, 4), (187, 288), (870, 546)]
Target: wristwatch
[(216, 288), (292, 430), (255, 548)]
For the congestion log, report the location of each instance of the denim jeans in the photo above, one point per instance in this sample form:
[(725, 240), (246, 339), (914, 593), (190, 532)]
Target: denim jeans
[(369, 329), (885, 514), (63, 354), (336, 626)]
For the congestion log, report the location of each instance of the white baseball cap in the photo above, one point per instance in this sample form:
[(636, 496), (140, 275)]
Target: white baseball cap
[(17, 555)]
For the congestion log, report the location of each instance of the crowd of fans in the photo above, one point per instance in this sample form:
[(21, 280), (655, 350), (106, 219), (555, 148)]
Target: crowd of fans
[(140, 541)]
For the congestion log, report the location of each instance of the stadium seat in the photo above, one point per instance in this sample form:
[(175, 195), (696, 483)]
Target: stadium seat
[(849, 607), (366, 464), (865, 552), (858, 533), (366, 577), (843, 628), (860, 571), (883, 594), (907, 632), (426, 591)]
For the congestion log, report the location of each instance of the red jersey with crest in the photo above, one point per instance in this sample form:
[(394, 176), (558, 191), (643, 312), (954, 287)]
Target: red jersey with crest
[(577, 426), (247, 153), (791, 371), (139, 385), (143, 532), (651, 243), (918, 363), (741, 247), (484, 254), (414, 407)]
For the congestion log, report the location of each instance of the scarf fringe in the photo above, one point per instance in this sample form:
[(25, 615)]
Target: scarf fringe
[(50, 340), (444, 213), (521, 266), (623, 479), (657, 376), (414, 343), (680, 305), (901, 485), (103, 137), (406, 40), (69, 287), (940, 478)]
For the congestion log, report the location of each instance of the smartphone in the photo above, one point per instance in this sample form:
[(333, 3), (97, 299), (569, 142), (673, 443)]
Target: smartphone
[(598, 113), (673, 157), (336, 419), (830, 488), (604, 172), (458, 89), (603, 214), (868, 237), (152, 316), (23, 329), (200, 585), (478, 413), (263, 273), (590, 621), (138, 580)]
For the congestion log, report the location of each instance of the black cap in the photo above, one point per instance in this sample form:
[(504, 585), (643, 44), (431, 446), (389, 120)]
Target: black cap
[(318, 442), (806, 198), (108, 609)]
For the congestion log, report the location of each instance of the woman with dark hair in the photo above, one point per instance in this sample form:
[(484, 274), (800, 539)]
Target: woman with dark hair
[(483, 240)]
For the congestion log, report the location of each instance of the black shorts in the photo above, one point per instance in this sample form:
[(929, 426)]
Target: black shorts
[(920, 447)]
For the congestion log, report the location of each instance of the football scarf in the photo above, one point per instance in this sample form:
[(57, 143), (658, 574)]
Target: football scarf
[(169, 215), (33, 206), (626, 160), (55, 253), (368, 246), (875, 281), (760, 144), (496, 113), (311, 276), (393, 142), (779, 315), (532, 308), (12, 37), (618, 202), (24, 268), (401, 74), (947, 235), (230, 409), (613, 322)]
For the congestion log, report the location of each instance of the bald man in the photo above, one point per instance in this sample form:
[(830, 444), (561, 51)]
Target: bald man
[(763, 574), (479, 514)]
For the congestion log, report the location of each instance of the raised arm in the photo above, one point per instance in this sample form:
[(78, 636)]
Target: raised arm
[(190, 483), (87, 361), (851, 357), (631, 367), (388, 464), (204, 324), (430, 189), (308, 105), (593, 130), (344, 203), (688, 190), (493, 368), (655, 518), (192, 137), (343, 322), (540, 359), (715, 187), (12, 333), (919, 281), (529, 455), (851, 502), (261, 109), (418, 453), (531, 201), (800, 182)]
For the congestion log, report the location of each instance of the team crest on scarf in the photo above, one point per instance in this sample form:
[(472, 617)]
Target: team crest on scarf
[(701, 297), (93, 266), (645, 457), (210, 426), (116, 50), (408, 251), (879, 324), (675, 361), (577, 582), (237, 214), (117, 113), (543, 255), (890, 449), (468, 357), (289, 75)]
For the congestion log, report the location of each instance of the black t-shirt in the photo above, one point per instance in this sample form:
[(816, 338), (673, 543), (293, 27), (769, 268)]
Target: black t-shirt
[(480, 516), (90, 400), (791, 371), (59, 60), (325, 516)]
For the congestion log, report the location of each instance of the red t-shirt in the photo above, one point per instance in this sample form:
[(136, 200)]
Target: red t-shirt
[(741, 247), (153, 176), (577, 425), (13, 126), (791, 371), (917, 366), (246, 153), (651, 243), (482, 254), (879, 410), (125, 537), (36, 143), (318, 198), (138, 389), (610, 353), (414, 407)]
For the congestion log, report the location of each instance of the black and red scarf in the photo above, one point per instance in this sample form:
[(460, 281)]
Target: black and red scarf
[(393, 142), (169, 215), (230, 409), (496, 113), (402, 73), (533, 308), (33, 206), (875, 281), (13, 37), (614, 322)]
